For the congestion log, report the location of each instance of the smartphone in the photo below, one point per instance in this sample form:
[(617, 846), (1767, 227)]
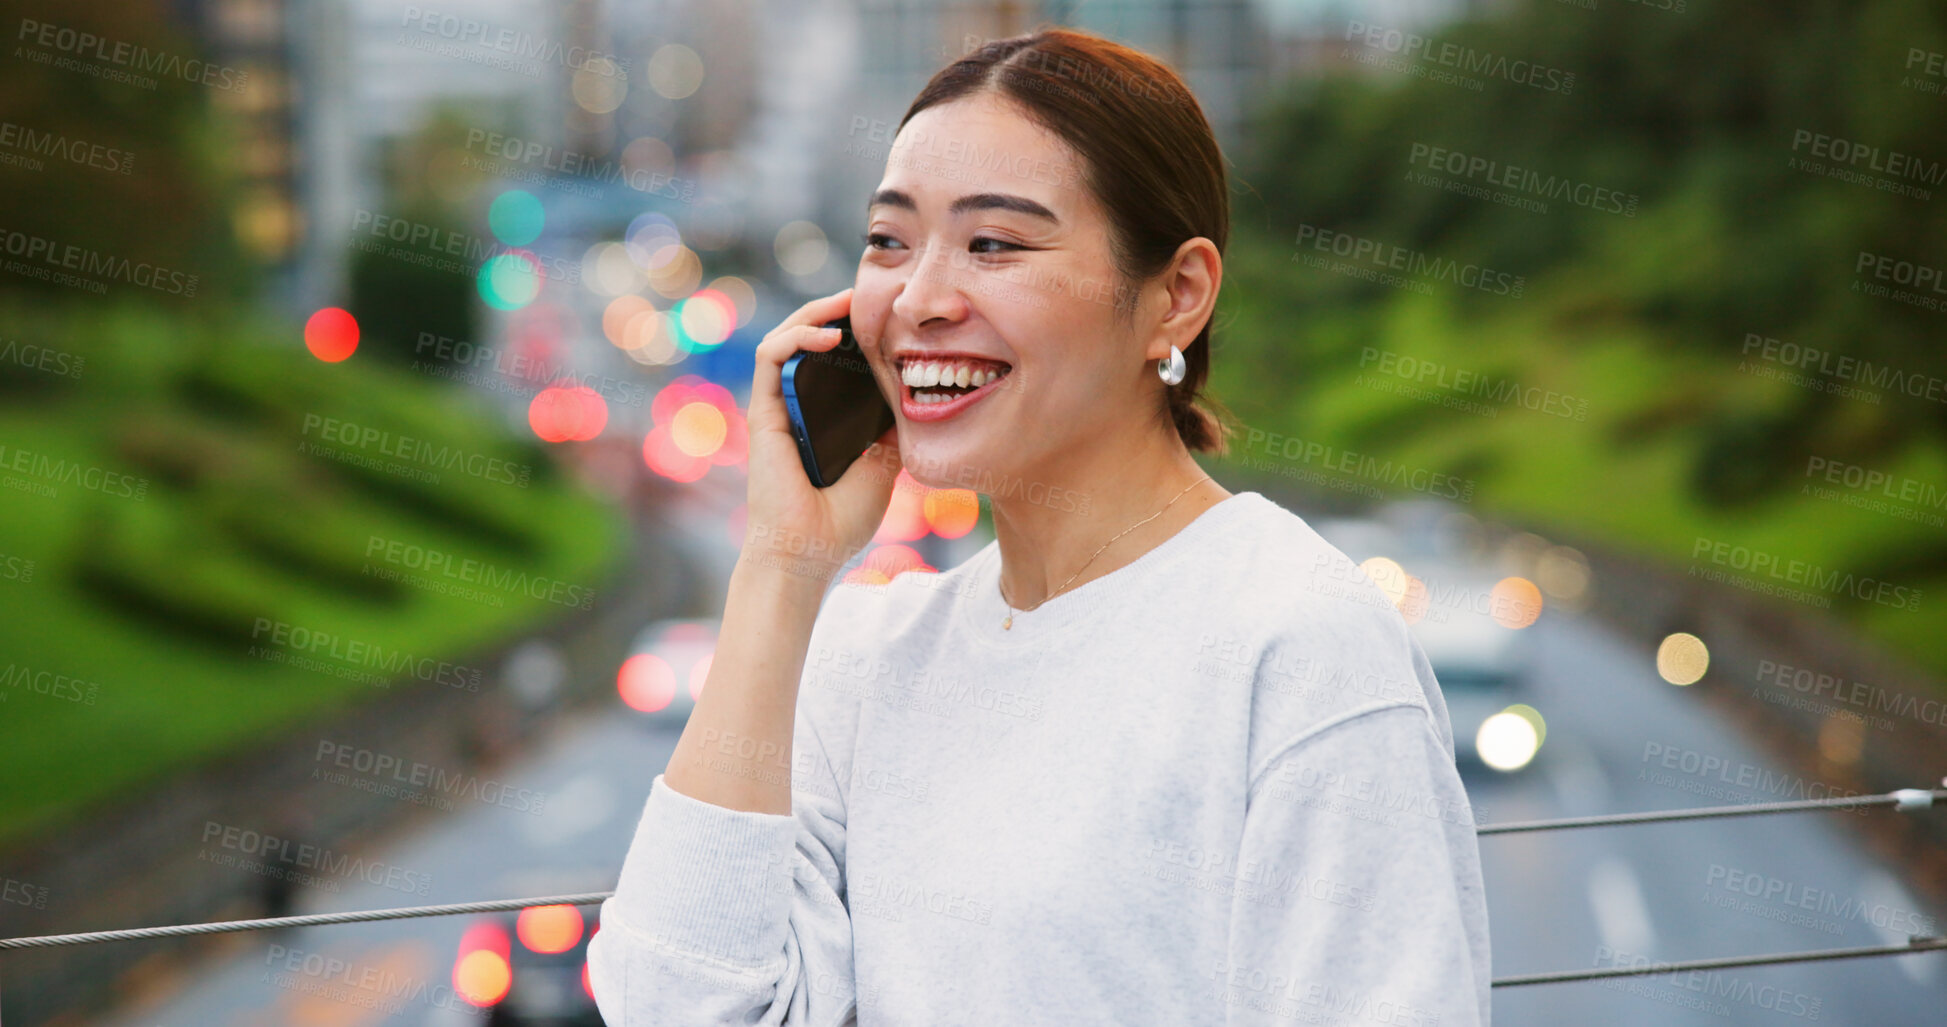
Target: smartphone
[(837, 411)]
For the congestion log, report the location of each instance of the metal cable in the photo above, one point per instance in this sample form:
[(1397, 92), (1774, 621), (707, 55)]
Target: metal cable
[(307, 920), (1904, 799), (1915, 943)]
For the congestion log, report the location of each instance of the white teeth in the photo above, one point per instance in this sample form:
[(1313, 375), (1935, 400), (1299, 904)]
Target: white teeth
[(920, 375)]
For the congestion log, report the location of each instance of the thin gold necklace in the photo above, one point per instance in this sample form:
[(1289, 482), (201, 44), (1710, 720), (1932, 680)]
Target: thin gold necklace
[(1008, 624)]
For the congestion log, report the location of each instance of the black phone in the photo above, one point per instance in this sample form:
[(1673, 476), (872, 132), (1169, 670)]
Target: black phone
[(836, 408)]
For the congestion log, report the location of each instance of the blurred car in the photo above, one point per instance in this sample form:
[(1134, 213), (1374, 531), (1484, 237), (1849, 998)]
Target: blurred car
[(1469, 619), (1481, 666), (529, 969), (666, 667)]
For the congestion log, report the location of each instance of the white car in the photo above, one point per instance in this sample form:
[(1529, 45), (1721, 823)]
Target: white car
[(666, 667), (1451, 605)]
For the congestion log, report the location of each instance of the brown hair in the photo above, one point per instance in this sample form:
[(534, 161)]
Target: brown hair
[(1149, 158)]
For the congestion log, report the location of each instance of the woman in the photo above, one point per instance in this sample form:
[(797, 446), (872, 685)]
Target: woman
[(1156, 755)]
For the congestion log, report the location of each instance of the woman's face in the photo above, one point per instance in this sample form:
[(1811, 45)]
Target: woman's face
[(985, 252)]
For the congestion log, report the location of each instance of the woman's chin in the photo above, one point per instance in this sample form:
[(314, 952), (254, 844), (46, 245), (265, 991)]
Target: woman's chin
[(944, 466)]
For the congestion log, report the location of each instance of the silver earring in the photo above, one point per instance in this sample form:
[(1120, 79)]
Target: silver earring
[(1171, 369)]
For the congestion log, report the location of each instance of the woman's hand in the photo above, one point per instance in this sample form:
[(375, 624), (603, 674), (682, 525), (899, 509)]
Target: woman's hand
[(796, 539), (794, 524)]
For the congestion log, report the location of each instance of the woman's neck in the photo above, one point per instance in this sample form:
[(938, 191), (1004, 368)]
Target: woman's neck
[(1048, 529)]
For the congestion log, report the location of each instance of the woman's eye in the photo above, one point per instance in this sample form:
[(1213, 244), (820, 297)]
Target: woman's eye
[(876, 240), (1002, 243)]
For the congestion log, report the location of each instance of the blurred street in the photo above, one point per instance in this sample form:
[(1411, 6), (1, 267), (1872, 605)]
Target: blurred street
[(1560, 900)]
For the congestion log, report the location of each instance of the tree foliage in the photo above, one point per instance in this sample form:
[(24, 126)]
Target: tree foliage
[(1708, 117)]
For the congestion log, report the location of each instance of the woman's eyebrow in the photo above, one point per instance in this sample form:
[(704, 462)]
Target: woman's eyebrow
[(892, 198), (1001, 201), (972, 201)]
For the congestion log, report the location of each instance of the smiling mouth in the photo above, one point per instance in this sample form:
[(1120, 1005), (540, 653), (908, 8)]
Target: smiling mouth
[(940, 381)]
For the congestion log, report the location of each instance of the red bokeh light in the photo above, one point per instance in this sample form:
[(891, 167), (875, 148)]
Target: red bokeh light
[(905, 519), (673, 397), (660, 450), (736, 440), (536, 332), (646, 682), (566, 412), (663, 456), (331, 334)]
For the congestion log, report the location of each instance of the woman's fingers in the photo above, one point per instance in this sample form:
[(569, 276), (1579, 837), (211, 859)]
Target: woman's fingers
[(767, 382), (803, 330), (840, 519)]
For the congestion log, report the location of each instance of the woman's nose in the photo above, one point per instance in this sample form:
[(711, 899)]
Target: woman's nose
[(932, 291)]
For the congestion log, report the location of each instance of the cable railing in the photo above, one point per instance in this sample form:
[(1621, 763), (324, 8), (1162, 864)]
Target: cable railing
[(1905, 800), (305, 920), (1901, 800)]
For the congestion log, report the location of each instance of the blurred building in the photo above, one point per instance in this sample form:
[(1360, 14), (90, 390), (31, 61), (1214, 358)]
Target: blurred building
[(264, 120), (773, 111), (838, 74), (334, 83), (1314, 37), (770, 115)]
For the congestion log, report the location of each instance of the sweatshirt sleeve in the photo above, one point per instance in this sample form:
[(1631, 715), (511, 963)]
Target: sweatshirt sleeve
[(1359, 895), (726, 916)]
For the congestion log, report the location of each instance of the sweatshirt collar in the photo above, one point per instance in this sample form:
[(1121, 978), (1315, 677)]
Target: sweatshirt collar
[(984, 609)]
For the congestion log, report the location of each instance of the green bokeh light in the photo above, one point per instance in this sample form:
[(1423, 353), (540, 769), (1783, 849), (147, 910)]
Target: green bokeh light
[(685, 344), (516, 217), (510, 281)]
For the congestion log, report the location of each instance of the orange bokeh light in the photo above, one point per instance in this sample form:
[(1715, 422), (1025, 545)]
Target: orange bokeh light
[(617, 315), (1515, 602), (952, 512), (736, 440), (549, 929), (699, 428), (482, 977), (482, 974)]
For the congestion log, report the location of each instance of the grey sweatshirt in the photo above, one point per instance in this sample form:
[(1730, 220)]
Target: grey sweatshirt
[(1214, 786)]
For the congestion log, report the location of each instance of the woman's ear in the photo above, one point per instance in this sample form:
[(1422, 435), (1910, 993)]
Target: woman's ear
[(1189, 288)]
